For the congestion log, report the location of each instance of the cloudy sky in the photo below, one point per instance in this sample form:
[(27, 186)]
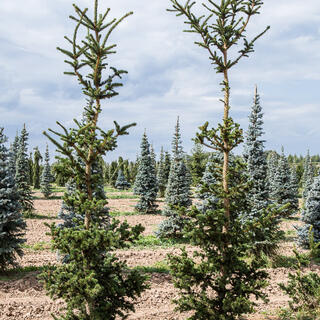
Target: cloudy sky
[(168, 75)]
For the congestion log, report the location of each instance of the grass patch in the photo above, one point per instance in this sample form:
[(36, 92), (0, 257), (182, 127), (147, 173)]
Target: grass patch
[(122, 196), (43, 217), (59, 189), (111, 189), (18, 273), (152, 241), (158, 267), (124, 213), (39, 246)]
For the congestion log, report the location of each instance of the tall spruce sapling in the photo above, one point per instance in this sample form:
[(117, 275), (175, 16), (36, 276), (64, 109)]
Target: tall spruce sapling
[(46, 177), (22, 175), (178, 192), (93, 282), (12, 226), (146, 185), (36, 168), (122, 183), (220, 282)]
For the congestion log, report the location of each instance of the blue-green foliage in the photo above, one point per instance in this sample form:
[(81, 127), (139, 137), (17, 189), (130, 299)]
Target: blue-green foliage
[(46, 176), (207, 200), (146, 185), (256, 160), (177, 192), (310, 215), (272, 167), (12, 225), (282, 192), (308, 176), (22, 174), (121, 182)]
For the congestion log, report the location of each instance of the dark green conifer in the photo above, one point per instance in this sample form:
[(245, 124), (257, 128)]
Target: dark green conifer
[(36, 168), (22, 175), (94, 283), (167, 166), (12, 226), (30, 169), (46, 176), (133, 170), (218, 281), (178, 192), (113, 173), (146, 185)]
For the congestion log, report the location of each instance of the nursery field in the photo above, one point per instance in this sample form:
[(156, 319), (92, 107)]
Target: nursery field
[(23, 297)]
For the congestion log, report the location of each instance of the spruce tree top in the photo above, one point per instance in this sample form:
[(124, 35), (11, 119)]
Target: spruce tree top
[(255, 130)]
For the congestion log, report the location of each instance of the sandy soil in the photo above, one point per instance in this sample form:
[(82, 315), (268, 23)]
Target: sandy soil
[(25, 298)]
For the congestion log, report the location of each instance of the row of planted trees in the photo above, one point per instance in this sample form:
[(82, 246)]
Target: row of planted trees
[(218, 280)]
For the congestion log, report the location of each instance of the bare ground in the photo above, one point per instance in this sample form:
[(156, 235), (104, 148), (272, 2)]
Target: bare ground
[(25, 298)]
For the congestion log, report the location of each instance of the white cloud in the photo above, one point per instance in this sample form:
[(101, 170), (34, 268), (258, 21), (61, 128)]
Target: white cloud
[(168, 74)]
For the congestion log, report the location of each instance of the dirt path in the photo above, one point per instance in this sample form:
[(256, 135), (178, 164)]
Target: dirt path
[(25, 299)]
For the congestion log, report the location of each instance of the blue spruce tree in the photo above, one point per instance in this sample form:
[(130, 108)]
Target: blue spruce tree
[(12, 225), (272, 167), (178, 191), (282, 192), (207, 200), (311, 215), (46, 176), (14, 148), (146, 185), (121, 182), (256, 159), (22, 174)]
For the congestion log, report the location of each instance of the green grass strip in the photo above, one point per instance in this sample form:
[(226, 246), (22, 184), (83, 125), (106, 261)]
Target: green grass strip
[(152, 241)]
